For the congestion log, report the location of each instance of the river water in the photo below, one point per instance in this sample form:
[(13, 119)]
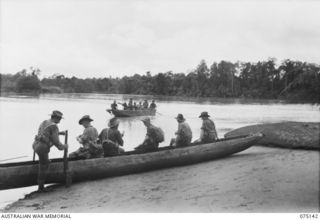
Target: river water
[(20, 117)]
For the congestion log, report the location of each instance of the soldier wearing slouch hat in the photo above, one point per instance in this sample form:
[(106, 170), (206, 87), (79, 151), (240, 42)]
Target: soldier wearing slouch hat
[(48, 136)]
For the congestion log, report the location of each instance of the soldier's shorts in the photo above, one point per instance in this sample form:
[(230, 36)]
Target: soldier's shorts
[(208, 140), (42, 151), (111, 149), (148, 145), (83, 153), (180, 142)]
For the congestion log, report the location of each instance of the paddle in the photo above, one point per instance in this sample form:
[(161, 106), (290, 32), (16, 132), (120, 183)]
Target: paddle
[(13, 158), (66, 171)]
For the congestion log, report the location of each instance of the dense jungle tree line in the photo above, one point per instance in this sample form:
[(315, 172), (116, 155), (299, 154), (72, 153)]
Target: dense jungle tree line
[(292, 80)]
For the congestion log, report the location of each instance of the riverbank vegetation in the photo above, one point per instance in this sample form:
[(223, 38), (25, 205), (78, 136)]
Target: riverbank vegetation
[(292, 80)]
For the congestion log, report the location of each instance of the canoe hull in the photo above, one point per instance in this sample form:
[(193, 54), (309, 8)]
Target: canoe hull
[(295, 135), (133, 113), (82, 170)]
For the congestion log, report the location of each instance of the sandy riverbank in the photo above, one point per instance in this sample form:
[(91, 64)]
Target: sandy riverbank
[(259, 179)]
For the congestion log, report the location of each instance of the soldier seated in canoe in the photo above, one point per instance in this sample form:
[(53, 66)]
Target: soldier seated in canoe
[(48, 135), (153, 137), (145, 104), (90, 148), (130, 104), (153, 105), (183, 135), (135, 107), (114, 105), (111, 139), (208, 132), (125, 105)]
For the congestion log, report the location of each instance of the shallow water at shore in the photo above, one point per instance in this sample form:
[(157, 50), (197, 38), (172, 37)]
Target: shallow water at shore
[(20, 117)]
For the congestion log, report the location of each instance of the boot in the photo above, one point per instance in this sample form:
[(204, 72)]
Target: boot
[(41, 187)]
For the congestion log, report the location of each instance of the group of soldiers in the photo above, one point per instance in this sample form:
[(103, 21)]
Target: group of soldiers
[(110, 139), (131, 105), (208, 133)]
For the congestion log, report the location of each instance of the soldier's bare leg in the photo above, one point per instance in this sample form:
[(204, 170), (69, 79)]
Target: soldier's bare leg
[(43, 168)]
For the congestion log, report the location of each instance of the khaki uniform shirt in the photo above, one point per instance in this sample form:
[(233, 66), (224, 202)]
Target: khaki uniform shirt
[(152, 133), (90, 134), (48, 135), (111, 134), (208, 131), (184, 132), (114, 106), (145, 104), (153, 105)]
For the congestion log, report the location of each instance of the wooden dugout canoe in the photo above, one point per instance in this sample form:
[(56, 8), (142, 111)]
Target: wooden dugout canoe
[(22, 174), (290, 134), (133, 113)]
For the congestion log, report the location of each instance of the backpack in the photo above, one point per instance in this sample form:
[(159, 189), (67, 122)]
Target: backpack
[(159, 135)]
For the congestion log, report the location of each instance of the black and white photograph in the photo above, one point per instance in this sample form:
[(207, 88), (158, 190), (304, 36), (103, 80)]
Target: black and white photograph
[(150, 106)]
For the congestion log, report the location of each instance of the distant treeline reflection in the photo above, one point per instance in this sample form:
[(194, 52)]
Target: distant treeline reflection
[(293, 80)]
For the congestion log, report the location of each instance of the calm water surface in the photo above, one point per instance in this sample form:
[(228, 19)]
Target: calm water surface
[(20, 117)]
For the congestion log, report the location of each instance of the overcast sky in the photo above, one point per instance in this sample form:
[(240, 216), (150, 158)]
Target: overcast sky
[(103, 37)]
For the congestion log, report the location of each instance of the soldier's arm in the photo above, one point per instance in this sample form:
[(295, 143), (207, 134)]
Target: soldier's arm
[(100, 136), (149, 133), (205, 126), (87, 133), (215, 131), (183, 130), (120, 140), (55, 137), (178, 132)]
